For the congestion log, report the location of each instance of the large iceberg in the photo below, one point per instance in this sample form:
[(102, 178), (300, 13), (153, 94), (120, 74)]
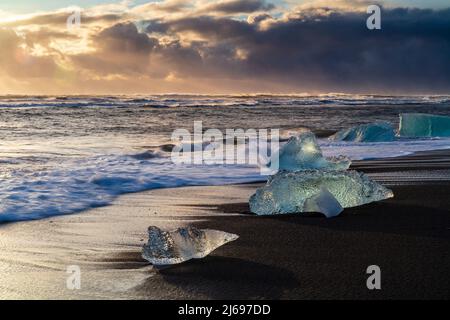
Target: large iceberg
[(372, 132), (424, 125), (303, 191), (182, 244), (302, 153)]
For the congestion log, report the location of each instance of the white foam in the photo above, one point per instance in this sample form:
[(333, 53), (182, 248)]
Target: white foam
[(73, 185), (95, 181)]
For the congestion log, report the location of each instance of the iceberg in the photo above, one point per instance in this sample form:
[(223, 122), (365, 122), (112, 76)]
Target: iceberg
[(372, 132), (302, 153), (424, 125), (182, 244), (303, 191)]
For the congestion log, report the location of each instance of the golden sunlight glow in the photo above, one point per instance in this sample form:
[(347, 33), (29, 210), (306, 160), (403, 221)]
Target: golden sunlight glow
[(199, 46)]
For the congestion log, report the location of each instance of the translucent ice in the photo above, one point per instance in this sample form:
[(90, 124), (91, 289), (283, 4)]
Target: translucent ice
[(302, 152), (424, 125), (287, 192), (182, 244), (323, 202), (372, 132)]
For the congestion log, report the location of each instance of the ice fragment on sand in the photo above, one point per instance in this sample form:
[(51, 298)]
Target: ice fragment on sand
[(286, 192), (182, 244)]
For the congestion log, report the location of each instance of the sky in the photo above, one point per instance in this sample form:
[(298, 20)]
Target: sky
[(224, 46), (27, 6)]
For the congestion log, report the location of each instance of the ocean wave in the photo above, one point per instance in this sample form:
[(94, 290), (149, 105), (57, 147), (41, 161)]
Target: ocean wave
[(90, 182), (244, 101), (79, 184), (65, 154)]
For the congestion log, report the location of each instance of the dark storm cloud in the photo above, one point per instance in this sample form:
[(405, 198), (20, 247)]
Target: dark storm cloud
[(410, 52), (238, 6), (120, 49), (124, 37), (334, 51), (209, 27)]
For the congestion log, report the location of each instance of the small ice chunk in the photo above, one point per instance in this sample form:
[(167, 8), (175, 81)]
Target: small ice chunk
[(286, 192), (182, 244), (372, 132), (323, 202), (302, 152), (424, 125)]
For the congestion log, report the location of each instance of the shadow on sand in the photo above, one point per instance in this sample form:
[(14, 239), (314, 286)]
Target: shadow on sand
[(415, 211), (219, 277), (213, 277)]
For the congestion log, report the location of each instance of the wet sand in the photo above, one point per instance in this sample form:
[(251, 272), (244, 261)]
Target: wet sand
[(277, 257)]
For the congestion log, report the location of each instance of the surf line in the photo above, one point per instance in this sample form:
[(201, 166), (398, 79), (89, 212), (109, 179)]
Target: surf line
[(189, 310)]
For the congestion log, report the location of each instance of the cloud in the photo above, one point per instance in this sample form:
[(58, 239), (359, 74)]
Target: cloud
[(209, 27), (163, 8), (18, 62), (333, 50), (234, 46), (124, 38), (238, 6), (120, 51), (59, 19)]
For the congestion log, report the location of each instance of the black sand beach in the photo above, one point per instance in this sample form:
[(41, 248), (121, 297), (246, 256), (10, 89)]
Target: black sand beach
[(276, 257), (293, 257)]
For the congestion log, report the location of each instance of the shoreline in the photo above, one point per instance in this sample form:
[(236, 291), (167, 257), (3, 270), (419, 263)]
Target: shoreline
[(276, 257)]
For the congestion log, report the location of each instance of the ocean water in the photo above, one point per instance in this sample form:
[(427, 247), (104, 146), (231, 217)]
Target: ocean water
[(61, 155)]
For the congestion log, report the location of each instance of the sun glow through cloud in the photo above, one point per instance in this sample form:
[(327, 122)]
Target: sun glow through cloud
[(221, 46)]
